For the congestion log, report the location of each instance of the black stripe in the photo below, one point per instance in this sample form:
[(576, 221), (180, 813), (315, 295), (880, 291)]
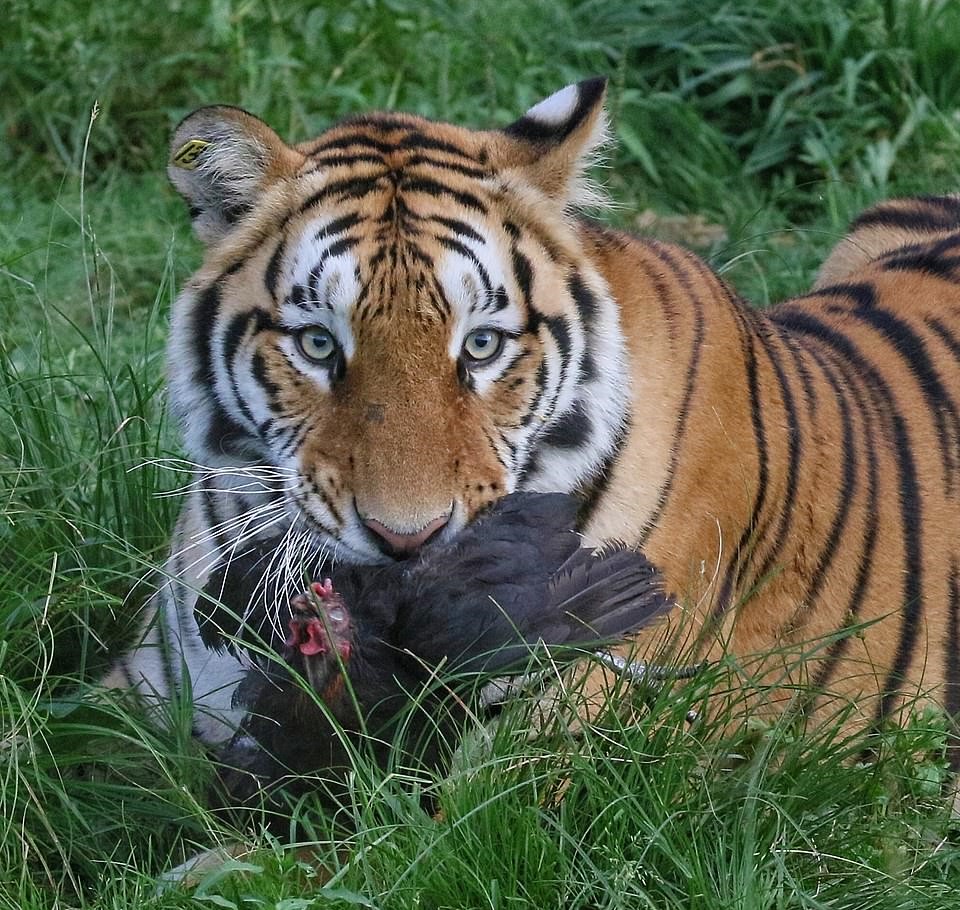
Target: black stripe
[(272, 270), (326, 499), (837, 648), (863, 296), (571, 430), (254, 321), (523, 272), (531, 465), (259, 368), (360, 140), (431, 187), (593, 488), (438, 298), (583, 299), (300, 433), (803, 371), (588, 368), (559, 328), (946, 245), (914, 219), (662, 295), (352, 159), (338, 247), (693, 366), (952, 663), (225, 437), (347, 188), (539, 387), (514, 382), (913, 351), (338, 225), (292, 436), (496, 302), (456, 246), (848, 485), (461, 228), (412, 137), (336, 159), (236, 330), (740, 556), (419, 140), (511, 447), (908, 493), (939, 258), (467, 170), (204, 317), (246, 325), (926, 260), (945, 335), (313, 298), (794, 447)]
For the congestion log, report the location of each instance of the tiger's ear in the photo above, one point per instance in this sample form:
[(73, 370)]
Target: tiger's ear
[(221, 160), (558, 139)]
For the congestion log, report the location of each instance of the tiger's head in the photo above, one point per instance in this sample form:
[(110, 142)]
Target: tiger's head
[(399, 315)]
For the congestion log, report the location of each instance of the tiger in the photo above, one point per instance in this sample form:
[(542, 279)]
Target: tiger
[(400, 321)]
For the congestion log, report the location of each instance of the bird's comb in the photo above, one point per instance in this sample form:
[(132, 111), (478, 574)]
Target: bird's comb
[(323, 589)]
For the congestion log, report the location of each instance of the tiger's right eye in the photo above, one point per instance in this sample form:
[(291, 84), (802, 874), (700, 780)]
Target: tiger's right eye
[(317, 344)]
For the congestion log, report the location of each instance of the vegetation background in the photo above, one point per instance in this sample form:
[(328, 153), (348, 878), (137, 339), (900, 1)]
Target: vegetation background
[(751, 130)]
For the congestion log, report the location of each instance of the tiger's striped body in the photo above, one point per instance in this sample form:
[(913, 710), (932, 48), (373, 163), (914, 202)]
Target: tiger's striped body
[(806, 466), (401, 321)]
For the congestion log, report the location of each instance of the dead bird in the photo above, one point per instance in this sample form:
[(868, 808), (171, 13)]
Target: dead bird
[(394, 653)]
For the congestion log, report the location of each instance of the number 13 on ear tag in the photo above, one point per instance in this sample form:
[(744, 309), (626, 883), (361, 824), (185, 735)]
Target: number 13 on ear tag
[(188, 154)]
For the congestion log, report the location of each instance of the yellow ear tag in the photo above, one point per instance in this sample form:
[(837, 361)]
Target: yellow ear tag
[(188, 154)]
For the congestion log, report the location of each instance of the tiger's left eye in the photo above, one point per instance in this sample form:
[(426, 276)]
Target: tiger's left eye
[(482, 345), (317, 343)]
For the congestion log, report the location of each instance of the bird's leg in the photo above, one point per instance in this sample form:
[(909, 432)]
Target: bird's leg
[(639, 672)]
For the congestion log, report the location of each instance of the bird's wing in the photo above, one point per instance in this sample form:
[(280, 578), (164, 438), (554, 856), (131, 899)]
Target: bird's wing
[(606, 595), (588, 600)]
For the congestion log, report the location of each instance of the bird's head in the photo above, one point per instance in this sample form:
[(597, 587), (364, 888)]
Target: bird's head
[(321, 635)]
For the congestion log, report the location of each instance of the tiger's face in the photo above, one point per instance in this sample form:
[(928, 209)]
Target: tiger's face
[(397, 317)]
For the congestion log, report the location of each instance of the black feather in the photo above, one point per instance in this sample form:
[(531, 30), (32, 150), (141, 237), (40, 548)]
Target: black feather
[(514, 581)]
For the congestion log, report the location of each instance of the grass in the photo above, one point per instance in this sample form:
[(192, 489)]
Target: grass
[(772, 122)]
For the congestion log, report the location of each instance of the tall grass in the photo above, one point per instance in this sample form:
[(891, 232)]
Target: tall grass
[(652, 813), (774, 121), (81, 424), (765, 117)]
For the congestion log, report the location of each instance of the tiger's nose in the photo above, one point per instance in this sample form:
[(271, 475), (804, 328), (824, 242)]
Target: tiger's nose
[(398, 545)]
